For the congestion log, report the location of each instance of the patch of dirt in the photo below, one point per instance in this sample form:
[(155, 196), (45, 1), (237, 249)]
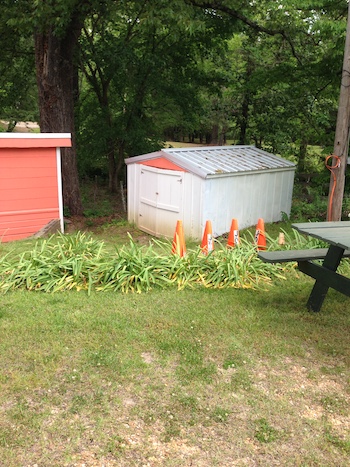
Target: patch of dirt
[(104, 215), (175, 426), (108, 228), (89, 224)]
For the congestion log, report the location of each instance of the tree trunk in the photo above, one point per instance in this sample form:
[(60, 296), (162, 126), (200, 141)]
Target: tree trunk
[(11, 126), (54, 59), (112, 167), (215, 134), (243, 120), (341, 140), (302, 155)]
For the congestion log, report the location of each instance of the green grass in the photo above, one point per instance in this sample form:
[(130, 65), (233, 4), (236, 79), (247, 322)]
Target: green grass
[(171, 377), (197, 376)]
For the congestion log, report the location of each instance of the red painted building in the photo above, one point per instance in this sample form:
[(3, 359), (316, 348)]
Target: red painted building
[(30, 182)]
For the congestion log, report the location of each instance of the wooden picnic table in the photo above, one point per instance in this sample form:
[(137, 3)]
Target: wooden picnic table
[(337, 236)]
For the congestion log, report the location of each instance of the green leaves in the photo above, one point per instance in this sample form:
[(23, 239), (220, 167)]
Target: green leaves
[(78, 262)]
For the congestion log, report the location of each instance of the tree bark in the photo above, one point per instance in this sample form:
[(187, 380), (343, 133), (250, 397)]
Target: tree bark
[(243, 119), (245, 108), (302, 155), (215, 134), (341, 141), (112, 166), (55, 69), (11, 126)]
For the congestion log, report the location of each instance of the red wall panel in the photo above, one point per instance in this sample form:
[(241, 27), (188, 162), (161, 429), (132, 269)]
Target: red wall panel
[(29, 185)]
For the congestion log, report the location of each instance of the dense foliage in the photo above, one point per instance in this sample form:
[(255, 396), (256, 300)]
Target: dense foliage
[(80, 262), (264, 73)]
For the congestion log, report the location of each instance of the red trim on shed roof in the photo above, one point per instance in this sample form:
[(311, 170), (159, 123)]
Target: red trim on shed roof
[(162, 163)]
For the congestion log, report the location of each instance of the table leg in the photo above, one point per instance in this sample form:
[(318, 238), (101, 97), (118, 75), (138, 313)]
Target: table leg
[(320, 288)]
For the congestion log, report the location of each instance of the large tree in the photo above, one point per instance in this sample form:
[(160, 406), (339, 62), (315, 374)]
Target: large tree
[(55, 75), (56, 40), (285, 72), (128, 47), (55, 26), (138, 63)]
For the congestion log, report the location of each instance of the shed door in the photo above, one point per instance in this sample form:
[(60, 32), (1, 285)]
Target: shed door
[(160, 200)]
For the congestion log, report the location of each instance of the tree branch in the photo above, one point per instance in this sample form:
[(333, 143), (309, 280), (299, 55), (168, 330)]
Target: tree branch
[(215, 5)]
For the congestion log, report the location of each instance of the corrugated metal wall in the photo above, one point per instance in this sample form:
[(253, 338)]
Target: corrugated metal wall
[(244, 195), (247, 197)]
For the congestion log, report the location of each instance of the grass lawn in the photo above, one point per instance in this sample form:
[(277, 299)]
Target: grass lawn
[(198, 377), (167, 378)]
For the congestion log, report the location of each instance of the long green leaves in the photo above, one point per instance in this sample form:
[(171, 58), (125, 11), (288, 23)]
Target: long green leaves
[(79, 262)]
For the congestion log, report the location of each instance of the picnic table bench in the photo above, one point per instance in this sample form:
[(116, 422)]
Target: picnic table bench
[(337, 234), (287, 256)]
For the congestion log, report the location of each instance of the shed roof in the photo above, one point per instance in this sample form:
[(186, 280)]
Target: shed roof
[(35, 140), (209, 161)]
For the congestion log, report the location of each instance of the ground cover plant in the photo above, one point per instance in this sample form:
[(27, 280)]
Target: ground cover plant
[(78, 261)]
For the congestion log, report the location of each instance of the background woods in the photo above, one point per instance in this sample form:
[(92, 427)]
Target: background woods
[(124, 76)]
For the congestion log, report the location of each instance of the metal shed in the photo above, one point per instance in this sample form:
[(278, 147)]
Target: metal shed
[(216, 183)]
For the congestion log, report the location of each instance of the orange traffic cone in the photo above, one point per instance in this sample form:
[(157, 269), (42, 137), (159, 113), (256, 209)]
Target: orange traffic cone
[(260, 237), (179, 245), (233, 237), (207, 244)]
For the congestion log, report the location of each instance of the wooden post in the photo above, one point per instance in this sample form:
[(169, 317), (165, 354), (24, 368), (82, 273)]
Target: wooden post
[(341, 141)]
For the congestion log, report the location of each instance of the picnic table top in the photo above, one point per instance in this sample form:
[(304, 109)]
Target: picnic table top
[(334, 233)]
